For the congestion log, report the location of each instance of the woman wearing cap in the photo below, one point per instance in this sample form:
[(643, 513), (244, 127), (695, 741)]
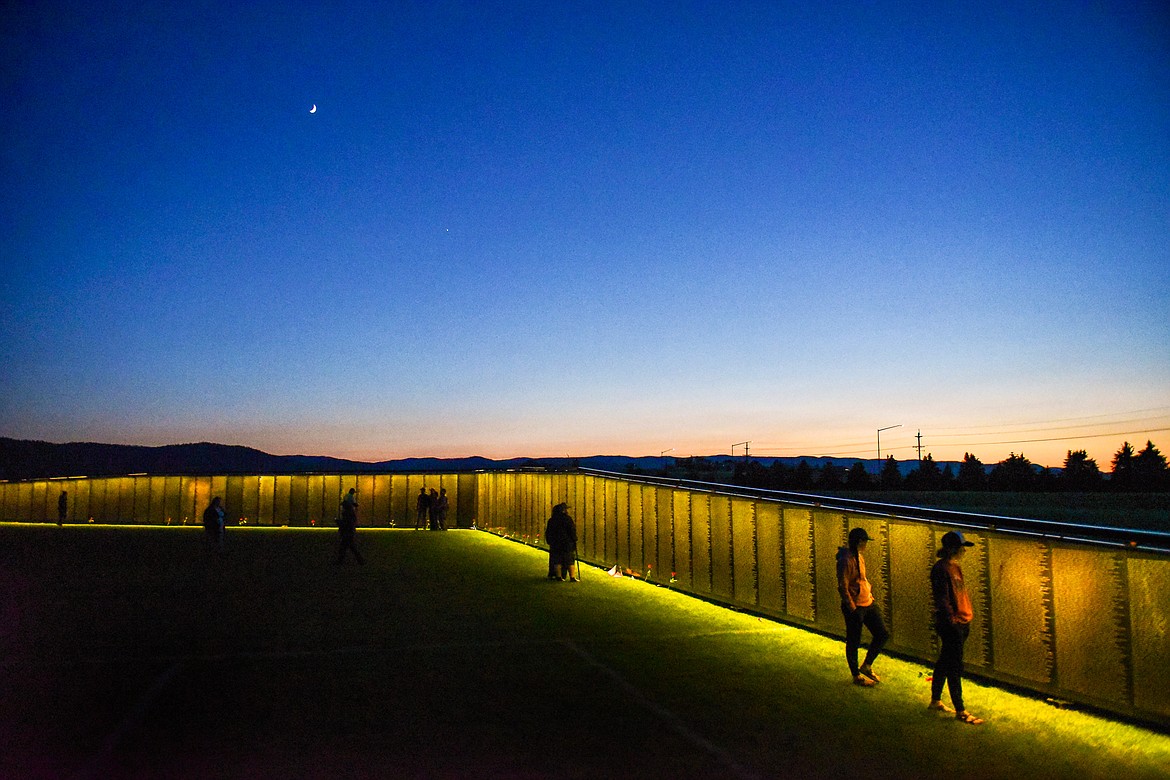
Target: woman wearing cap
[(859, 609), (952, 621)]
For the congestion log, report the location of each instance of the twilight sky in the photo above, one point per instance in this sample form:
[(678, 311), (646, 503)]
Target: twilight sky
[(583, 228)]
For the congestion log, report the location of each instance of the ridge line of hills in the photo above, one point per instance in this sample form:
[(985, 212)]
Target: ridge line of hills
[(26, 459)]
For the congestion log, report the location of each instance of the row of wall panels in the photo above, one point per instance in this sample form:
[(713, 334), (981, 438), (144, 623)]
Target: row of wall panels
[(1088, 623), (293, 500)]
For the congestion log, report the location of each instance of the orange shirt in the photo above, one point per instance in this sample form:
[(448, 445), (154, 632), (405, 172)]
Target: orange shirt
[(851, 581)]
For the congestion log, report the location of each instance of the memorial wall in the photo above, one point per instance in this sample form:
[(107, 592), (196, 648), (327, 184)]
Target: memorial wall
[(280, 500), (1072, 620)]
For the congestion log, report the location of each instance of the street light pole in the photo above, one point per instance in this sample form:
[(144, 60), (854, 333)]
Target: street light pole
[(879, 438)]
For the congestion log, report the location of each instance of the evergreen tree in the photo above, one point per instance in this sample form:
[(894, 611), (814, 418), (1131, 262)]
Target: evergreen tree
[(1013, 474), (972, 474), (948, 479), (755, 475), (696, 467), (926, 476), (1080, 472), (858, 478), (802, 476), (1149, 468), (830, 478), (891, 476), (1122, 476), (778, 475)]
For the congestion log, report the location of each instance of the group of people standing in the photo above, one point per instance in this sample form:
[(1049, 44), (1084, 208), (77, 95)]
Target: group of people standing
[(430, 509), (952, 606), (952, 618)]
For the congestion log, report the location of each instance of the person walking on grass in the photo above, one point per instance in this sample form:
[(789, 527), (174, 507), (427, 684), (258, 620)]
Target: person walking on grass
[(952, 621), (213, 524), (561, 535), (859, 609), (347, 528)]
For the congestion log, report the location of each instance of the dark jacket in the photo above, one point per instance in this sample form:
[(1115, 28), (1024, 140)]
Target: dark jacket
[(952, 603), (348, 520), (561, 533), (212, 518)]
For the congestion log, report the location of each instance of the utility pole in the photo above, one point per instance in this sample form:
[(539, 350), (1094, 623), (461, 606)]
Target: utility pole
[(745, 448), (919, 437)]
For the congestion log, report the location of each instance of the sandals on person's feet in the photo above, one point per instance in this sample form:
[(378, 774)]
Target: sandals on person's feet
[(864, 682), (868, 672), (938, 706), (966, 717)]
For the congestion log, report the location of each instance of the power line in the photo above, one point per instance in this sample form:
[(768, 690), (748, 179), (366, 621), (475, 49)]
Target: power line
[(1065, 438), (837, 452), (1163, 412), (1071, 429)]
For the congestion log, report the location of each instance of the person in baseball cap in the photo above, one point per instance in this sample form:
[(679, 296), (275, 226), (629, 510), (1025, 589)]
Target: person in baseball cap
[(952, 622), (859, 609), (953, 540)]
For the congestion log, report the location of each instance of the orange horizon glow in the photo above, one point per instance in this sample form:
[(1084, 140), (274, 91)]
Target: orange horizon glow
[(1047, 454), (1045, 443)]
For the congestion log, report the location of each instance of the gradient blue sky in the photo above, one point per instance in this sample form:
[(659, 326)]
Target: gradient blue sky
[(580, 228)]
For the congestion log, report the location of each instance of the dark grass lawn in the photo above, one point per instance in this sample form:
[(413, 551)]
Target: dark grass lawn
[(125, 653)]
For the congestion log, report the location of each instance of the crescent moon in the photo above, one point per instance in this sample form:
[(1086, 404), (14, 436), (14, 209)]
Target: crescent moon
[(313, 110)]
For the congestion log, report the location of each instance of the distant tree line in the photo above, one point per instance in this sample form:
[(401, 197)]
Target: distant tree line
[(1144, 471)]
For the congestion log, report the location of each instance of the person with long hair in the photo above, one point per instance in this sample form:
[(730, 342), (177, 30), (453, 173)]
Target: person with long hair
[(859, 608)]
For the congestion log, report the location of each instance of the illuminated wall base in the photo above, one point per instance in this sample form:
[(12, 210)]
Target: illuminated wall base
[(1083, 623)]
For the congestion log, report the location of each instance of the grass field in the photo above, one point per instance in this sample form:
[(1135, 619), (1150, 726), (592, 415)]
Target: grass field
[(127, 653)]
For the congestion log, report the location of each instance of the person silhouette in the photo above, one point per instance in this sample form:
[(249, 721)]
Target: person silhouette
[(213, 524), (422, 506), (561, 535), (347, 528), (433, 509), (441, 504)]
